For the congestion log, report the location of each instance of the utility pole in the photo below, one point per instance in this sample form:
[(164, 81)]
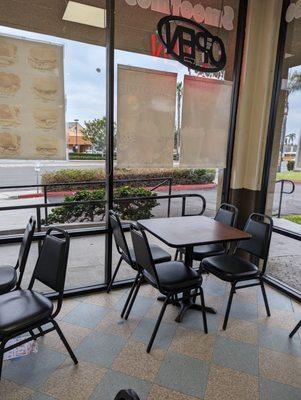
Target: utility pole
[(76, 146)]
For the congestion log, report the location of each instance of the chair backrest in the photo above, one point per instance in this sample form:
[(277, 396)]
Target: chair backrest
[(51, 265), (227, 214), (143, 255), (260, 227), (128, 394), (24, 248), (120, 240)]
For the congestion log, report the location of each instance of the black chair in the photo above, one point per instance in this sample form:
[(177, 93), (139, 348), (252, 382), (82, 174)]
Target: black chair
[(8, 273), (127, 254), (295, 329), (227, 214), (128, 394), (234, 269), (23, 311), (170, 278)]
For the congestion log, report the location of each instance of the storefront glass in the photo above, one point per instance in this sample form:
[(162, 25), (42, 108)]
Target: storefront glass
[(52, 86), (165, 112), (284, 198)]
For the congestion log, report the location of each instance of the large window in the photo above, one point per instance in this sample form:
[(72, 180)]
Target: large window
[(53, 126), (284, 198), (162, 106), (52, 87)]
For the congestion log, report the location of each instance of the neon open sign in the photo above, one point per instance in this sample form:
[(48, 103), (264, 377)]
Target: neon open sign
[(191, 44)]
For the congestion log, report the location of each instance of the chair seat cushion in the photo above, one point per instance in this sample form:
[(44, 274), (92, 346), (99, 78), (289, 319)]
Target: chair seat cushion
[(231, 268), (8, 278), (21, 309), (159, 255), (206, 250), (174, 276)]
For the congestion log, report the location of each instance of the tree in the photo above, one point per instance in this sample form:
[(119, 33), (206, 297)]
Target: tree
[(178, 127), (95, 132), (293, 85), (290, 138)]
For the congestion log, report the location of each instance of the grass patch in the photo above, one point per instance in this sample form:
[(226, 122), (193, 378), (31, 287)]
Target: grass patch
[(291, 175), (294, 218)]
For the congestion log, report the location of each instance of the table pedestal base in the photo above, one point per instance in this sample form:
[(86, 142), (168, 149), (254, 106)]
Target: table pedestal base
[(185, 303)]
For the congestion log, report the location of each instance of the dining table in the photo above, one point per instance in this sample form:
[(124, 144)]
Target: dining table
[(187, 232)]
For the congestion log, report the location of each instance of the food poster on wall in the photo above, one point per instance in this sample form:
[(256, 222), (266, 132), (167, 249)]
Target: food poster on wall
[(145, 117), (32, 105)]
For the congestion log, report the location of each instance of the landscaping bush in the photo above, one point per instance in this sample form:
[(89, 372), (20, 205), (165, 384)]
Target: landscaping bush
[(127, 209), (69, 176), (178, 175), (290, 165), (85, 156)]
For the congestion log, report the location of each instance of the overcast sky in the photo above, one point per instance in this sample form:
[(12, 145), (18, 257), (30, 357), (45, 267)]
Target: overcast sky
[(85, 87)]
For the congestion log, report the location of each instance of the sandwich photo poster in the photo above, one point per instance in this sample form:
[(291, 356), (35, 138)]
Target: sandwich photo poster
[(32, 103)]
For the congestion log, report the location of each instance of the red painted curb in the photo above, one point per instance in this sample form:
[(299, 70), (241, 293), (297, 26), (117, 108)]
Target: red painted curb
[(201, 186)]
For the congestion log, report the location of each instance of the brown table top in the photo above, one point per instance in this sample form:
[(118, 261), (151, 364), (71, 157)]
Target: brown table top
[(191, 231)]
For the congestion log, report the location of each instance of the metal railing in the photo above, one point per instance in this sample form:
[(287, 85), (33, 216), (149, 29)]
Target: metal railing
[(45, 206), (92, 184), (282, 192)]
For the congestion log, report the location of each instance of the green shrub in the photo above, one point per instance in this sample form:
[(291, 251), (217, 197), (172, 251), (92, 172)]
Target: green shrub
[(134, 209), (179, 176), (85, 156), (127, 209), (290, 165), (73, 175)]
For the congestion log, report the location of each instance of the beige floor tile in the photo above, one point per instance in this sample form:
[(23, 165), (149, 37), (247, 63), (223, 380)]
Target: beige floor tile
[(296, 307), (74, 335), (133, 360), (11, 391), (149, 291), (161, 393), (241, 330), (73, 382), (249, 295), (114, 324), (227, 384), (279, 318), (215, 302), (193, 343), (170, 314), (280, 367), (104, 299), (68, 306)]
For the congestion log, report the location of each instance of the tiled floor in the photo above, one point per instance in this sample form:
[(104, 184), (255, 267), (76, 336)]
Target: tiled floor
[(253, 359)]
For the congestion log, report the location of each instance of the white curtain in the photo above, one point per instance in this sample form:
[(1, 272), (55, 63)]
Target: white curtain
[(145, 117), (205, 122)]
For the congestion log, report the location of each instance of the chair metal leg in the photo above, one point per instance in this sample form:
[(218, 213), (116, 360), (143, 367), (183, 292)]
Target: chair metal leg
[(150, 344), (2, 345), (203, 310), (295, 329), (133, 298), (265, 298), (41, 330), (114, 275), (177, 255), (64, 340), (229, 306), (130, 295)]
